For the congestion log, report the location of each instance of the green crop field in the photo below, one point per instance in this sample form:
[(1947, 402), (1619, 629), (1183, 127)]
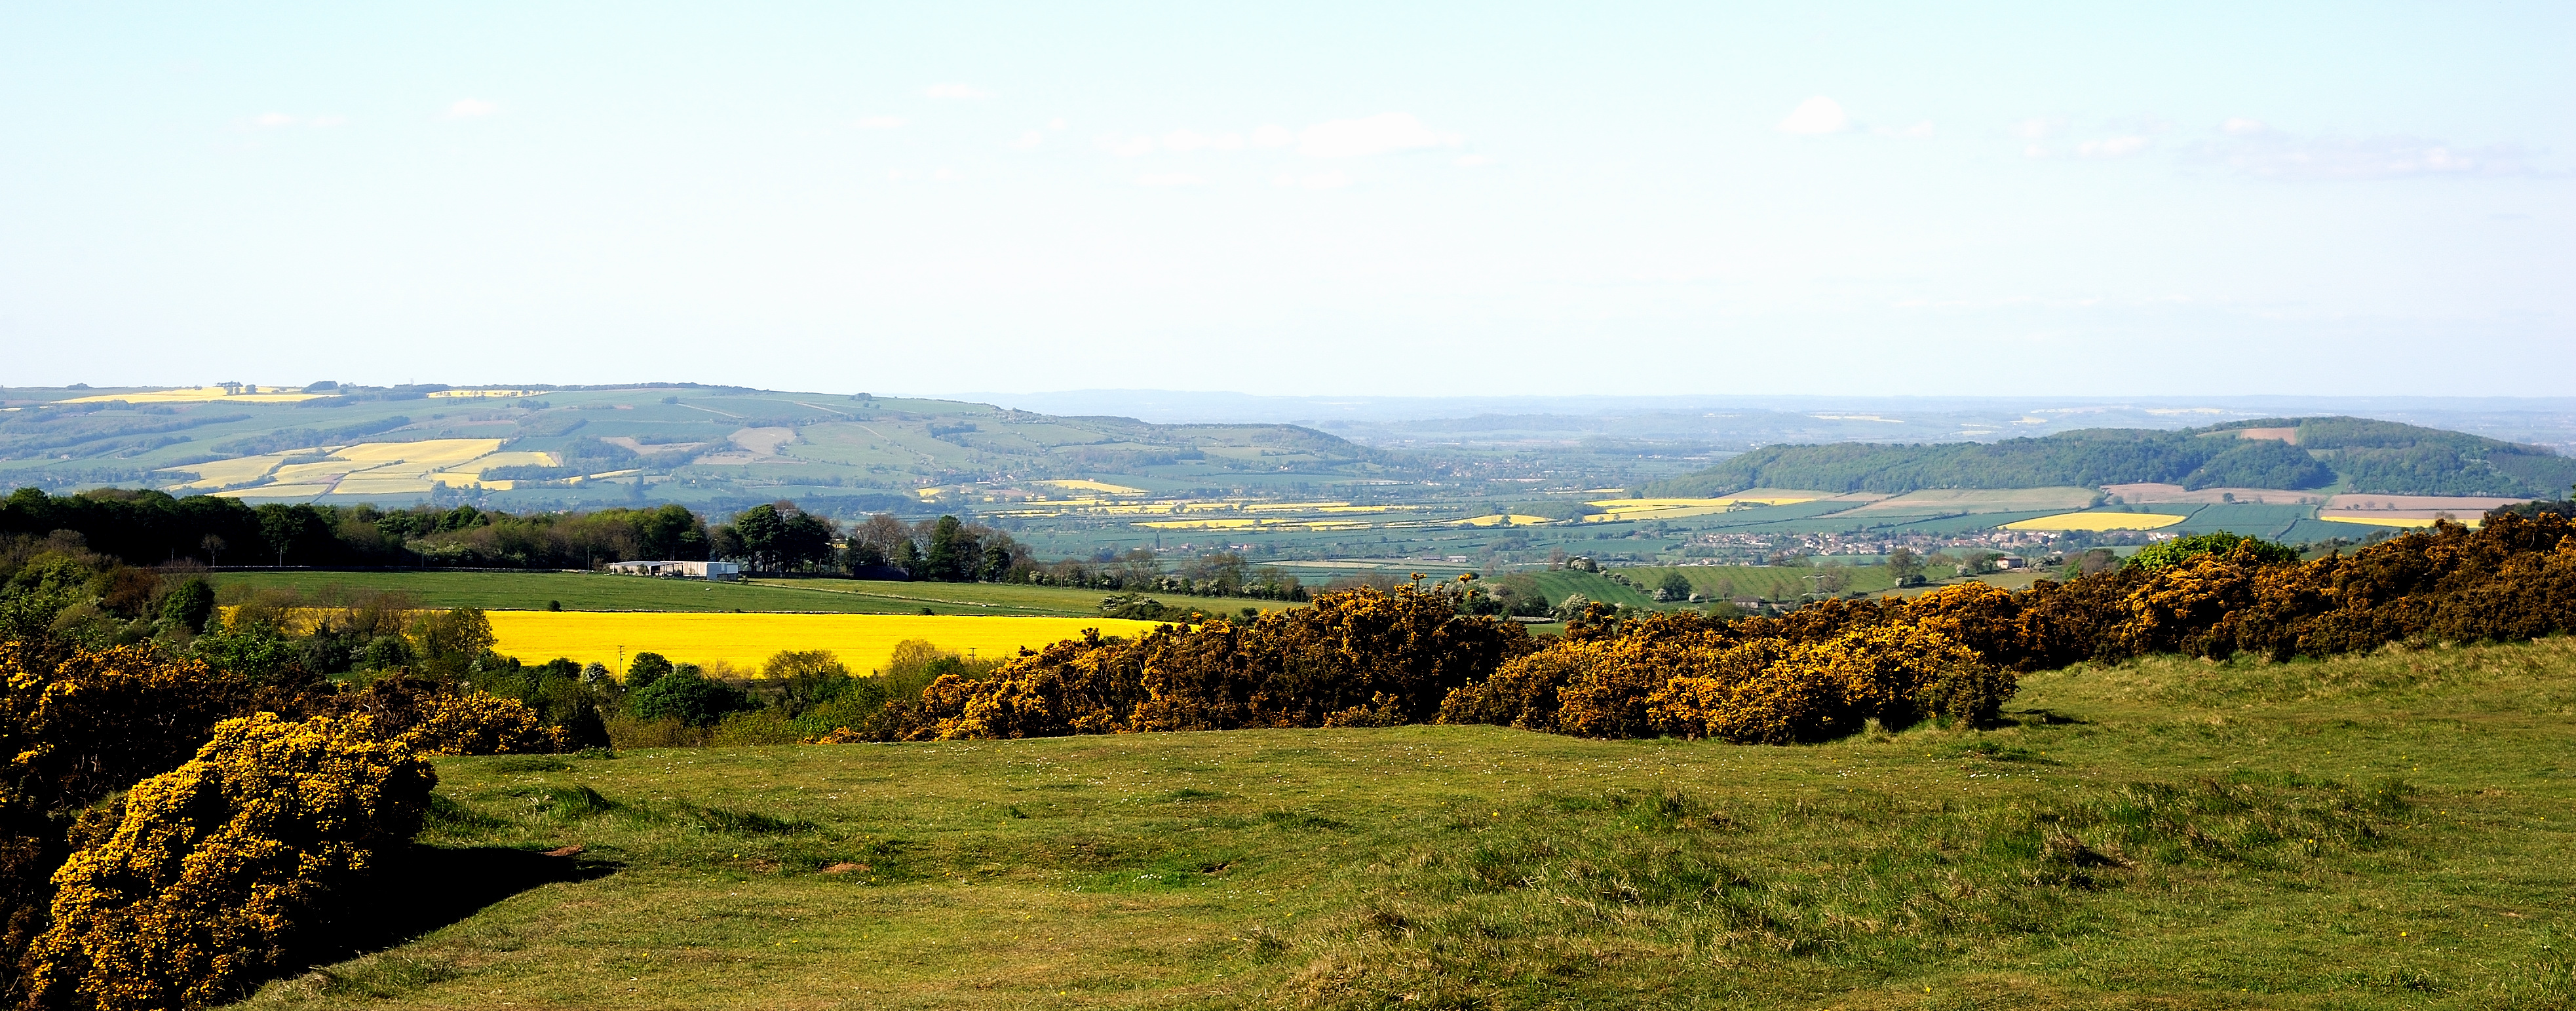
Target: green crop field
[(581, 591), (2388, 831)]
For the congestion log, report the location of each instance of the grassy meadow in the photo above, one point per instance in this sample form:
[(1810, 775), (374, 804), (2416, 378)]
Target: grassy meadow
[(587, 591), (2381, 831)]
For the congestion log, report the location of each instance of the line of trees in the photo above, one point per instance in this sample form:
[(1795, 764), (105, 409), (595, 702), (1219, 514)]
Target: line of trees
[(152, 527)]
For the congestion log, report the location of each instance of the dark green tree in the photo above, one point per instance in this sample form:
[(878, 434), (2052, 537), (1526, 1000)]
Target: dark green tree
[(689, 696), (954, 554), (297, 529), (645, 669), (190, 604)]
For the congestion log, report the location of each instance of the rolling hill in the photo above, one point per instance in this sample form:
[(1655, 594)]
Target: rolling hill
[(531, 447), (2356, 455)]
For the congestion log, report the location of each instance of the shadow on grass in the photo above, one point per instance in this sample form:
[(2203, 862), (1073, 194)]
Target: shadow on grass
[(428, 887)]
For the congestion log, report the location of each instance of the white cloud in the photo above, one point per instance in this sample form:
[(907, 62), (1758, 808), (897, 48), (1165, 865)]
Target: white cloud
[(1127, 147), (327, 122), (1379, 134), (2273, 154), (1472, 161), (272, 120), (1226, 142), (953, 91), (2038, 128), (2034, 151), (1184, 140), (1056, 123), (879, 122), (1816, 115), (939, 175), (2242, 127), (1029, 141), (1332, 179), (1169, 179), (1273, 135), (2111, 147), (470, 108)]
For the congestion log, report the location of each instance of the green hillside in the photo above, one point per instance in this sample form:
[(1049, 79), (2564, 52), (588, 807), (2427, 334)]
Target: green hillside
[(2382, 831), (669, 442), (2347, 454)]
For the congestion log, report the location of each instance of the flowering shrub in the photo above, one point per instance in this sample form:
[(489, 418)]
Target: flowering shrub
[(190, 889), (479, 723), (434, 718), (1373, 657)]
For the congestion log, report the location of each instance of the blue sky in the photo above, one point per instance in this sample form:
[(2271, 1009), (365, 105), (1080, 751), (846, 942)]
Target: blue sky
[(1300, 198)]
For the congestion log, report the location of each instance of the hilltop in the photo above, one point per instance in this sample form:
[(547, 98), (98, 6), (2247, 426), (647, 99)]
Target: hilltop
[(2344, 454)]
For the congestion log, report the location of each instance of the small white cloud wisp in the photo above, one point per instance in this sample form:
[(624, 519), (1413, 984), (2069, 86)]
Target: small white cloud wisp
[(470, 108), (1815, 116), (1380, 134)]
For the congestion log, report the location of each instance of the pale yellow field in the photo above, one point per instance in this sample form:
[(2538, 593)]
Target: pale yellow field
[(1265, 524), (1102, 487), (1515, 519), (277, 491), (199, 394), (2386, 521), (2096, 521), (863, 641), (1678, 508), (367, 468)]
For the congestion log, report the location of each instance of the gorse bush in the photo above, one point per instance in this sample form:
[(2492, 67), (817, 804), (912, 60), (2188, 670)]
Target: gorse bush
[(191, 887), (1366, 656), (1375, 657), (77, 725)]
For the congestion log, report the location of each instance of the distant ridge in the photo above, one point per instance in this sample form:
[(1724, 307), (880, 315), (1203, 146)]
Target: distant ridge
[(2345, 453)]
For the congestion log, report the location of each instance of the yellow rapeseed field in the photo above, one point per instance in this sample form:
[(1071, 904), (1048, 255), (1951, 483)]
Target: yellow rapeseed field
[(2387, 521), (2096, 521), (863, 641)]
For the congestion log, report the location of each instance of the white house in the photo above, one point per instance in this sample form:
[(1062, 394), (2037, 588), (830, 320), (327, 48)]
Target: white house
[(718, 571)]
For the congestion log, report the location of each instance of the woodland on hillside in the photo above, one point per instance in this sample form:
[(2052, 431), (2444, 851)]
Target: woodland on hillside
[(2363, 455)]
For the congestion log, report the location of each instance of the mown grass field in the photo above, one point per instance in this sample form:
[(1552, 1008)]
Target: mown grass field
[(582, 591), (2388, 831)]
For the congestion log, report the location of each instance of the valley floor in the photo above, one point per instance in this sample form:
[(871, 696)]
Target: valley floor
[(2391, 830)]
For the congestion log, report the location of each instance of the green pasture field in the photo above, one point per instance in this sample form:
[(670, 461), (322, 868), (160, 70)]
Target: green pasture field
[(583, 591), (1928, 524), (1986, 500), (2384, 831), (1002, 598), (2270, 522), (1592, 586), (1773, 582)]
